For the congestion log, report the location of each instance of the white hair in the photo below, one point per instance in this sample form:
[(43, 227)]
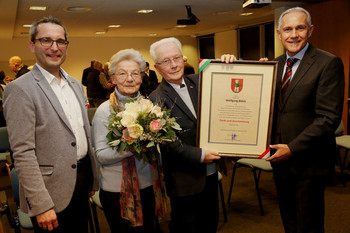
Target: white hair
[(294, 9), (158, 43), (126, 54)]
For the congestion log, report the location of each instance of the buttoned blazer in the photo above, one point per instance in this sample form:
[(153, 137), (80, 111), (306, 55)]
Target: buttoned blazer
[(312, 109), (43, 143), (184, 174)]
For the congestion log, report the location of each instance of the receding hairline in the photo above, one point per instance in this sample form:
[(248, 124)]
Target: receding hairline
[(295, 9)]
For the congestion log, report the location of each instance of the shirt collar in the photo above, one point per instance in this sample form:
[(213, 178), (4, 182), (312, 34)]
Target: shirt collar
[(49, 77), (300, 54), (177, 86)]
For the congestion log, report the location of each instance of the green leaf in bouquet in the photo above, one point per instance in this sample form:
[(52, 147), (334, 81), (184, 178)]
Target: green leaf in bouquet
[(176, 126), (150, 144), (109, 136), (117, 133), (162, 122), (138, 149), (122, 146), (158, 148), (114, 143)]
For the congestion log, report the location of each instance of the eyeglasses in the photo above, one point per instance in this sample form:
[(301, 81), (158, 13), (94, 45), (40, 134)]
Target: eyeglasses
[(167, 61), (122, 75), (48, 42)]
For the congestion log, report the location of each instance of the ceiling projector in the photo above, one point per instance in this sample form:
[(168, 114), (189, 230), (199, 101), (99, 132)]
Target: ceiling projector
[(191, 18), (255, 3)]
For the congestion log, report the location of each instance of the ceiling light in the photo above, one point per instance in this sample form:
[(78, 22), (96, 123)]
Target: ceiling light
[(37, 8), (100, 33), (246, 14), (223, 13), (27, 25), (114, 26), (181, 26), (77, 9), (152, 34), (144, 11)]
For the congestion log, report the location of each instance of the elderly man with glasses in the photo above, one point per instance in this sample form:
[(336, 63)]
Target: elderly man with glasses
[(190, 173)]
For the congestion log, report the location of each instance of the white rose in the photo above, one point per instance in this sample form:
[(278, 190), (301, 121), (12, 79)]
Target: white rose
[(157, 110), (128, 119), (145, 105), (132, 108)]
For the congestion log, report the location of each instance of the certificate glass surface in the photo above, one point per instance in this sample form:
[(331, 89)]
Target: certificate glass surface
[(236, 103)]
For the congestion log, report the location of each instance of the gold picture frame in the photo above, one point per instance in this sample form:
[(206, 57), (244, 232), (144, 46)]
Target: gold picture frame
[(236, 107)]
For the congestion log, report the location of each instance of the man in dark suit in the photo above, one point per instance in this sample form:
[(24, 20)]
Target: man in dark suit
[(190, 172), (49, 134), (86, 72), (308, 109), (149, 81)]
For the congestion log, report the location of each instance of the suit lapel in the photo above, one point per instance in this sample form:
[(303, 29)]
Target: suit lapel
[(281, 63), (50, 95), (172, 94), (304, 66), (192, 90)]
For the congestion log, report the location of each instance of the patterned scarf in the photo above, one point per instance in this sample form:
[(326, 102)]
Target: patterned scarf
[(130, 199)]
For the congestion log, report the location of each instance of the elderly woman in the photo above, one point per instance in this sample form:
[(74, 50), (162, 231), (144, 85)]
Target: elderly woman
[(126, 207)]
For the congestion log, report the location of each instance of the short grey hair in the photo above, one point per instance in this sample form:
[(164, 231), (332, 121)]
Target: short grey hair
[(294, 9), (156, 44), (126, 54)]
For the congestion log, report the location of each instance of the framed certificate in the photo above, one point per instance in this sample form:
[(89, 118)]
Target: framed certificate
[(235, 107)]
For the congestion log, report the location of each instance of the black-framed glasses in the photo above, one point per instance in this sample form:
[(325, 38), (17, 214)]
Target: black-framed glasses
[(48, 42)]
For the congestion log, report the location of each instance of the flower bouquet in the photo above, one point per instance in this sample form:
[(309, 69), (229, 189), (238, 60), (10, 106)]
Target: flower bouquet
[(141, 127)]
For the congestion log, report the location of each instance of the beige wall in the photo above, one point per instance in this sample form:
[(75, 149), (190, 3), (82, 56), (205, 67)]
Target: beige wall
[(225, 43), (82, 50)]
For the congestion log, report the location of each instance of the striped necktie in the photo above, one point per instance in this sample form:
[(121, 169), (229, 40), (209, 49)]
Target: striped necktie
[(287, 75)]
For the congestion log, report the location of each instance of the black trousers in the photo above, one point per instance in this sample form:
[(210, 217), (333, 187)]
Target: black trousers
[(111, 208), (74, 218), (196, 213), (301, 203)]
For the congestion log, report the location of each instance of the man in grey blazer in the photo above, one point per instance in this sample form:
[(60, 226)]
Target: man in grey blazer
[(49, 134), (307, 112)]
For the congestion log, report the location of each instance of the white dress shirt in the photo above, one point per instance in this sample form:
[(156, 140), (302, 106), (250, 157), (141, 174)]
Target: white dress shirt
[(71, 108)]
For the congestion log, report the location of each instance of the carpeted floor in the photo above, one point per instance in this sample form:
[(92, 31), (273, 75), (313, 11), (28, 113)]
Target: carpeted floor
[(243, 210)]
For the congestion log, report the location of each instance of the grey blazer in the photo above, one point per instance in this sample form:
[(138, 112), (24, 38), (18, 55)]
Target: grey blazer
[(43, 143)]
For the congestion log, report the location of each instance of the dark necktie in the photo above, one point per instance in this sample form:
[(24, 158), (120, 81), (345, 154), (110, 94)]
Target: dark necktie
[(287, 75)]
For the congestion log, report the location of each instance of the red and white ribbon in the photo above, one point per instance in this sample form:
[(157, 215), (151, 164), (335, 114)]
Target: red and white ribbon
[(266, 154)]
